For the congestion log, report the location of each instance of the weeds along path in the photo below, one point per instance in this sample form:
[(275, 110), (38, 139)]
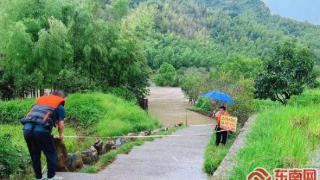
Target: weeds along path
[(168, 158), (228, 162)]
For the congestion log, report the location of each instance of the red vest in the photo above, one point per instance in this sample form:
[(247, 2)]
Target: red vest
[(50, 101), (41, 111)]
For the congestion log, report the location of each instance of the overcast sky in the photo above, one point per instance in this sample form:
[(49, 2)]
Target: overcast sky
[(298, 9)]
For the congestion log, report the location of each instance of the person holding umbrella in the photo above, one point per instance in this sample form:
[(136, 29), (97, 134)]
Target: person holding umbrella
[(221, 134)]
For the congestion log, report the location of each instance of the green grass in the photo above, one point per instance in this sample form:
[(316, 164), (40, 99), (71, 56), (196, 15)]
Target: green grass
[(72, 144), (17, 136), (215, 154), (89, 169), (16, 133), (282, 137), (12, 111), (107, 115), (92, 114)]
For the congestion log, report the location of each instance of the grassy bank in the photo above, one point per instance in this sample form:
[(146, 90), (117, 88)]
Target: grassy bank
[(282, 137), (215, 154), (94, 114)]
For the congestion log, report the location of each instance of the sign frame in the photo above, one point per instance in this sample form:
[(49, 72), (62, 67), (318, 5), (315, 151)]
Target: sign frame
[(229, 123)]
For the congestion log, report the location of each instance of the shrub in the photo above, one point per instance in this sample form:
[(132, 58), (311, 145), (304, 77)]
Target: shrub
[(122, 93), (13, 160), (204, 104), (84, 110), (306, 98), (166, 75), (13, 111), (123, 117), (288, 73), (106, 114), (261, 105), (72, 81), (244, 100)]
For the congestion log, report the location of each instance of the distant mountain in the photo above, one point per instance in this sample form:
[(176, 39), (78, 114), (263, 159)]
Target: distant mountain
[(205, 33), (302, 10)]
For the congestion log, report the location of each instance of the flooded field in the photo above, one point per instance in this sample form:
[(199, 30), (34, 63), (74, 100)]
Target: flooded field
[(170, 106)]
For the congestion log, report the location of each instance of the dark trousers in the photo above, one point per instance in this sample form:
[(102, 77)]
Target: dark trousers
[(37, 142), (221, 137)]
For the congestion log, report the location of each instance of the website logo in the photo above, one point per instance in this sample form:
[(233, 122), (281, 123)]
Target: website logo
[(284, 174), (259, 174)]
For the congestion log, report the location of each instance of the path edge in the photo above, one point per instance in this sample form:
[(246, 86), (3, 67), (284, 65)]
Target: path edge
[(228, 163)]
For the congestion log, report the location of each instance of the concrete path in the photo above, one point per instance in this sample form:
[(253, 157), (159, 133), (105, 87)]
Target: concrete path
[(170, 158)]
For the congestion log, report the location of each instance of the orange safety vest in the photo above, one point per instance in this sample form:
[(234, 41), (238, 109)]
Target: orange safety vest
[(50, 101), (42, 110), (219, 116)]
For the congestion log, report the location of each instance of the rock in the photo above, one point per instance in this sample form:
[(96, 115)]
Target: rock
[(132, 138), (74, 161), (98, 145), (62, 155), (145, 133), (179, 125), (78, 159), (119, 142), (164, 129), (90, 156), (109, 146), (70, 161)]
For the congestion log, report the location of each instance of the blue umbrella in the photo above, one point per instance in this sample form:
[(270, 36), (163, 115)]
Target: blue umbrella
[(218, 96)]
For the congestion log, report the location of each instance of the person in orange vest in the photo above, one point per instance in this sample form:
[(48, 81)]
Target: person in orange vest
[(47, 112), (221, 134)]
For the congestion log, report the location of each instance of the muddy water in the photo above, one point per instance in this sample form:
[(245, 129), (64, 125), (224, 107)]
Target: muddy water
[(170, 106)]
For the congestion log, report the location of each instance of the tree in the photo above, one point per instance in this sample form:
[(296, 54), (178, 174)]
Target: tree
[(166, 75), (242, 66), (71, 45), (194, 82), (286, 74), (52, 50)]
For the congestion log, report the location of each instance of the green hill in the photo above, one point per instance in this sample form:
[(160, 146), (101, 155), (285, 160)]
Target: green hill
[(202, 32)]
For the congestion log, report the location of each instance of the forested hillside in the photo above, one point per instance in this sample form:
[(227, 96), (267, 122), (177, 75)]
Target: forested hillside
[(68, 44), (81, 45), (204, 32)]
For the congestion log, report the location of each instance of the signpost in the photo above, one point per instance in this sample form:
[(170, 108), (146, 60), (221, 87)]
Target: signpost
[(229, 123)]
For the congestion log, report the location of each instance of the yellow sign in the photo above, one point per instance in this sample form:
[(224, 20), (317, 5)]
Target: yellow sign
[(229, 123)]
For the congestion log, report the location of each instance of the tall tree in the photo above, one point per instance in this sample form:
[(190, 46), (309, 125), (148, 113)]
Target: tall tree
[(286, 74)]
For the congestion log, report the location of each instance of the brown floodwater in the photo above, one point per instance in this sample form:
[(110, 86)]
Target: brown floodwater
[(170, 105)]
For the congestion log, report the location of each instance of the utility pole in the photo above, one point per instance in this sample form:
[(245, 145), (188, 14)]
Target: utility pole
[(186, 117)]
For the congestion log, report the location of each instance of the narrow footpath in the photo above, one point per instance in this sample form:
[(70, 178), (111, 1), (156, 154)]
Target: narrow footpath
[(169, 158)]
